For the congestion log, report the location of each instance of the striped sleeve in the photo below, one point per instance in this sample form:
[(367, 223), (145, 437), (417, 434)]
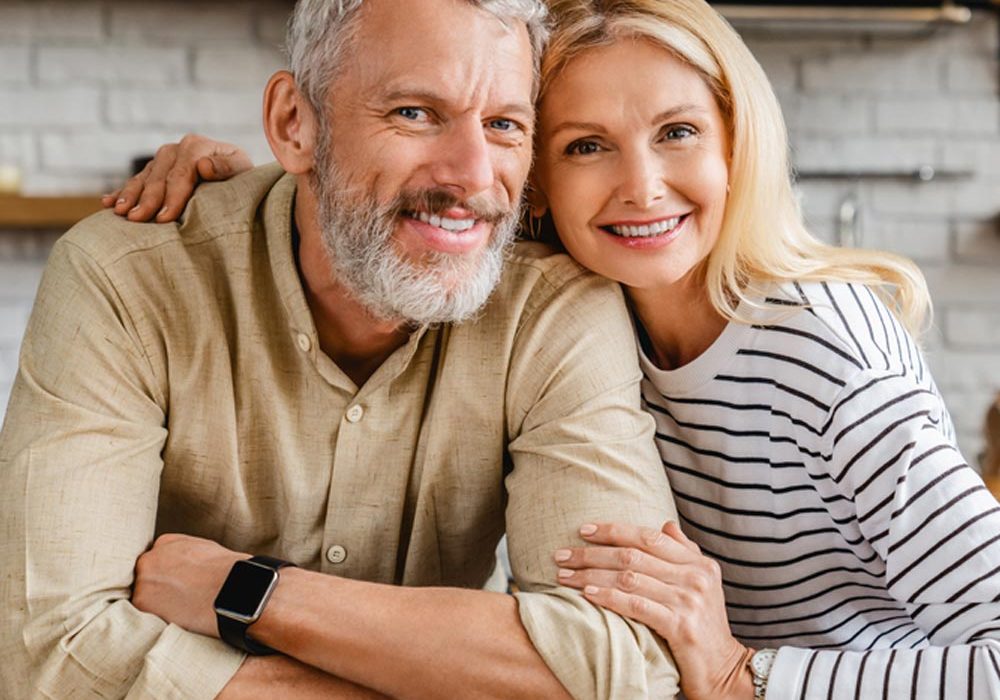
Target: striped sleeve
[(926, 514)]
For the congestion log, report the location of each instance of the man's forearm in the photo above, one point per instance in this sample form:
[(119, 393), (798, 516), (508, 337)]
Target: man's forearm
[(283, 677), (406, 642)]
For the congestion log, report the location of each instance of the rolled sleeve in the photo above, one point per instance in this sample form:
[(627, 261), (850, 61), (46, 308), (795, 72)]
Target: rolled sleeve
[(582, 451), (80, 463)]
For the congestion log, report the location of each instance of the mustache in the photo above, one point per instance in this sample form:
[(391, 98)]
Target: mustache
[(436, 201)]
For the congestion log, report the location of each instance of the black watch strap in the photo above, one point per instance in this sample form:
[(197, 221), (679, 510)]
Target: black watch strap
[(234, 632)]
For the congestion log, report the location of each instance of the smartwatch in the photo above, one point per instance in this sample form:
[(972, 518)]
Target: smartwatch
[(242, 598)]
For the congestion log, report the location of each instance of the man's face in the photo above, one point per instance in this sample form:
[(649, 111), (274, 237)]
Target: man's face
[(427, 147)]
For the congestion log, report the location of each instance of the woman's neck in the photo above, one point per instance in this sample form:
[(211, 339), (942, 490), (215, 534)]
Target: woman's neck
[(679, 321)]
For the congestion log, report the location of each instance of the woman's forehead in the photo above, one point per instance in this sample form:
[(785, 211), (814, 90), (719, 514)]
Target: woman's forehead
[(628, 68)]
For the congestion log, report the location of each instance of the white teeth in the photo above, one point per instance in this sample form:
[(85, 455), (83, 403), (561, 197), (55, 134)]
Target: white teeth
[(647, 230), (457, 225), (453, 225)]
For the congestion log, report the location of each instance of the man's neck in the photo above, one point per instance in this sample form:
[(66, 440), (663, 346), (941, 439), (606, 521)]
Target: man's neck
[(348, 334)]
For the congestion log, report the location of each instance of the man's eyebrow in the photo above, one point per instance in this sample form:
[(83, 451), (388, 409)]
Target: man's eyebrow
[(411, 94), (596, 128), (524, 110)]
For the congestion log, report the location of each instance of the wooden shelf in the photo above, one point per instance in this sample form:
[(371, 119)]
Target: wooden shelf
[(45, 213)]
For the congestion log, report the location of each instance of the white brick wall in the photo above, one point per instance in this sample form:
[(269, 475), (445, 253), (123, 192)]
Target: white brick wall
[(20, 271), (88, 84)]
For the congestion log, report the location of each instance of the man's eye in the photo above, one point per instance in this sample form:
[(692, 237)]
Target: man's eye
[(582, 148), (413, 114), (505, 125), (678, 132)]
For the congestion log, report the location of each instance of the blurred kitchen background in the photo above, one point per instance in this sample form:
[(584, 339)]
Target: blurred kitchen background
[(894, 114)]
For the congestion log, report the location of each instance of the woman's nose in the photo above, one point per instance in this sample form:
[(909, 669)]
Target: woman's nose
[(643, 181)]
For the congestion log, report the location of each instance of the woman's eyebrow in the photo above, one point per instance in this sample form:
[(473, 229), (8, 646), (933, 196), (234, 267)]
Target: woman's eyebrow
[(665, 115), (578, 126), (673, 112)]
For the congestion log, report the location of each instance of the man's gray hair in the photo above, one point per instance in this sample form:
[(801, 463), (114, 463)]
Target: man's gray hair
[(321, 30)]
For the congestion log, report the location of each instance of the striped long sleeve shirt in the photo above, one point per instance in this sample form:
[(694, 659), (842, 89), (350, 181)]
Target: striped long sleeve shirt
[(812, 456)]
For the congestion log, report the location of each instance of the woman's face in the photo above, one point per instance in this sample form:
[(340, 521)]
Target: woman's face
[(633, 163)]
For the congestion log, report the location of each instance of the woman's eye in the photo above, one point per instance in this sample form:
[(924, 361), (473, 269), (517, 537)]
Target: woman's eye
[(582, 148), (679, 131)]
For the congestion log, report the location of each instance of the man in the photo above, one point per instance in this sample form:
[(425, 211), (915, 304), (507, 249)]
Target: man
[(307, 367)]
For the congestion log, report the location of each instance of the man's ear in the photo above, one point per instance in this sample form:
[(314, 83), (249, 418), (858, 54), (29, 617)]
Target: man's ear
[(290, 124)]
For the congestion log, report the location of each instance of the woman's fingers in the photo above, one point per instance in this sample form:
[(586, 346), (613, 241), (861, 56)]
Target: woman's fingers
[(618, 567), (198, 158), (167, 183), (658, 543), (224, 162), (627, 581), (150, 199), (108, 200), (627, 592), (657, 613), (634, 559), (672, 529), (128, 195)]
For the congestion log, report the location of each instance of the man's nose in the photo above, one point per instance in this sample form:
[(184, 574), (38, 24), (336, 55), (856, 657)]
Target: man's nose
[(465, 162), (643, 179)]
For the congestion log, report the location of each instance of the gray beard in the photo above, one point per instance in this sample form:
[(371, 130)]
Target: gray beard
[(438, 288)]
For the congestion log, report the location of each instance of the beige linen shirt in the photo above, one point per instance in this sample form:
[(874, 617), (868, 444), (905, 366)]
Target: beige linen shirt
[(171, 380)]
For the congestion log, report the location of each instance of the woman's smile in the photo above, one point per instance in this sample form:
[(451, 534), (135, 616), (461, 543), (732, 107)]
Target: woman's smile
[(646, 235)]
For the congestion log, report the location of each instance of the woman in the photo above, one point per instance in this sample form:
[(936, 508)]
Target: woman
[(831, 517)]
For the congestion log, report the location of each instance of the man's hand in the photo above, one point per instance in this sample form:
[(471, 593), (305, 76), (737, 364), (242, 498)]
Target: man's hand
[(167, 182), (179, 578)]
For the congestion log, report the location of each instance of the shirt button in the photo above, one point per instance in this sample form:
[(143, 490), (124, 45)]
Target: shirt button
[(336, 554), (304, 343), (355, 413)]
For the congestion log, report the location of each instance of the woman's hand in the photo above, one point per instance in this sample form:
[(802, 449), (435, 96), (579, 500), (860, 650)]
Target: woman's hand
[(661, 578), (178, 579), (167, 182)]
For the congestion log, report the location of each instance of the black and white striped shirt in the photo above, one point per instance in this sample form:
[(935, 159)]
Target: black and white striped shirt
[(813, 457)]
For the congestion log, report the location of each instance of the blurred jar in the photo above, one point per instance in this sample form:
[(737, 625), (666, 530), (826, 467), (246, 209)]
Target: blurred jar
[(10, 179)]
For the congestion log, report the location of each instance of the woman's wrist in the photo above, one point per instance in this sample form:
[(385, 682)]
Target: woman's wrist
[(735, 684), (743, 686)]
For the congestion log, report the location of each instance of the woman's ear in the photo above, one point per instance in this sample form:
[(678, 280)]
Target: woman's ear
[(538, 204), (290, 124)]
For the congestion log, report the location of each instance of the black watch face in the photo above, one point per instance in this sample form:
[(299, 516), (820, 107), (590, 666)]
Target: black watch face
[(245, 591)]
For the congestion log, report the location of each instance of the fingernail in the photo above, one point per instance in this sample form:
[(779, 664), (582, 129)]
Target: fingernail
[(566, 573), (121, 200), (135, 208), (588, 529), (162, 211), (563, 554), (590, 590)]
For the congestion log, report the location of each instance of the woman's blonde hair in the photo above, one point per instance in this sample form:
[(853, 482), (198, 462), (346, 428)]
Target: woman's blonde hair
[(763, 237)]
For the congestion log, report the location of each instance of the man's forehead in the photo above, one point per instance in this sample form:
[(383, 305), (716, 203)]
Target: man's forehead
[(446, 39), (448, 48)]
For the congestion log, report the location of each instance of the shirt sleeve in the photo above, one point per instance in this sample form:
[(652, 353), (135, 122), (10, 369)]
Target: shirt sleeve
[(80, 463), (936, 529), (582, 450)]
